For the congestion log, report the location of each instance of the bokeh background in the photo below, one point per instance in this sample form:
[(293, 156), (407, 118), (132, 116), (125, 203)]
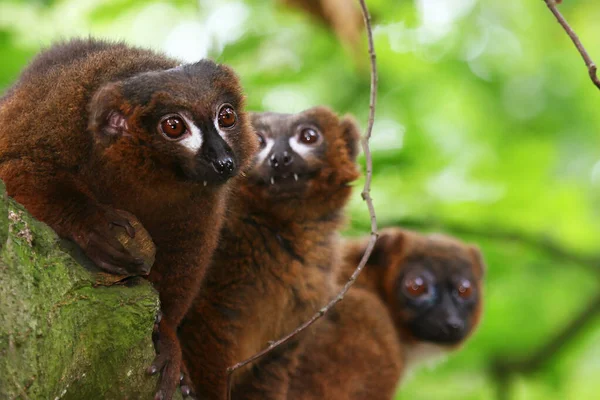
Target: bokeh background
[(487, 128)]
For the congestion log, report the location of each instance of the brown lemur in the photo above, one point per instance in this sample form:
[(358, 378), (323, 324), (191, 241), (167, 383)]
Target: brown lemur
[(418, 296), (93, 127), (273, 267)]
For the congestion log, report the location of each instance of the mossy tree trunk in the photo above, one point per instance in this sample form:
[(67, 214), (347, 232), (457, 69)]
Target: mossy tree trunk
[(63, 336)]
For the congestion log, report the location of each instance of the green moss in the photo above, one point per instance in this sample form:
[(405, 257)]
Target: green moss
[(61, 337)]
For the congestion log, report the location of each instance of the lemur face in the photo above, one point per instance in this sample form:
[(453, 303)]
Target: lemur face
[(191, 118), (291, 151), (431, 284), (297, 150), (439, 295)]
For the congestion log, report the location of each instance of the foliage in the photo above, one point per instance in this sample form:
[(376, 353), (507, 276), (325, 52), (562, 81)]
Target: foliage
[(486, 119)]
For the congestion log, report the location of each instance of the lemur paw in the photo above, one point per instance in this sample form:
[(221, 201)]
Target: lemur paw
[(97, 236), (169, 376), (185, 384), (167, 361)]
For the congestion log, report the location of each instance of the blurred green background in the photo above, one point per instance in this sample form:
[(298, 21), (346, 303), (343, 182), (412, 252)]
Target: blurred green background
[(487, 128)]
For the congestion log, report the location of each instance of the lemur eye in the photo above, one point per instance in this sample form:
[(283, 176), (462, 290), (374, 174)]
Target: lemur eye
[(173, 127), (261, 140), (227, 117), (465, 289), (309, 136), (416, 286)]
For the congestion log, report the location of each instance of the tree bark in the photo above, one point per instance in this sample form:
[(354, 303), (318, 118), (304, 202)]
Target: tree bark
[(65, 334)]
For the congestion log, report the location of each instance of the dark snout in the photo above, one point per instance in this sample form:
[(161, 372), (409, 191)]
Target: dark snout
[(219, 157), (454, 324), (453, 328), (224, 165), (445, 328), (284, 171), (281, 161)]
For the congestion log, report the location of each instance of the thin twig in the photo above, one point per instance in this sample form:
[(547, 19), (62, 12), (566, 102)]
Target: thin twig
[(586, 58), (366, 197)]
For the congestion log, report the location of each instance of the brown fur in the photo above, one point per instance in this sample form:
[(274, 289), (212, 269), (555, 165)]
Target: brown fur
[(392, 250), (354, 354), (366, 346), (271, 272), (58, 162)]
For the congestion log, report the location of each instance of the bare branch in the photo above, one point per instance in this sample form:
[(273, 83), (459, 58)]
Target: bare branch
[(504, 369), (366, 197), (538, 241), (586, 58)]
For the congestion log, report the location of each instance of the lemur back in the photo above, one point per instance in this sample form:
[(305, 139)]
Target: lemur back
[(272, 269)]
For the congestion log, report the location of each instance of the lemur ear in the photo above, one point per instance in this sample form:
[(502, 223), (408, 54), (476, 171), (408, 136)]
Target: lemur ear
[(351, 135), (389, 243), (107, 119), (478, 263)]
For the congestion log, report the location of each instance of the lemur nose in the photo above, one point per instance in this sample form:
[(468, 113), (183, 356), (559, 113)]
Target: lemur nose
[(287, 158), (455, 325), (224, 165), (281, 160)]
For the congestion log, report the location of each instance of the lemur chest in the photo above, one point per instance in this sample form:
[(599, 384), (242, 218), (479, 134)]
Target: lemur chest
[(275, 279), (282, 292), (287, 288), (280, 304)]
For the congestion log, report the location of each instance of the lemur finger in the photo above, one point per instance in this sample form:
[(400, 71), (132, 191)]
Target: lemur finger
[(123, 223), (168, 376), (107, 267), (185, 384), (114, 250)]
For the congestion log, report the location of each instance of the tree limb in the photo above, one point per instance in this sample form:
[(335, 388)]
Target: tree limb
[(586, 58), (549, 246), (503, 370), (366, 197)]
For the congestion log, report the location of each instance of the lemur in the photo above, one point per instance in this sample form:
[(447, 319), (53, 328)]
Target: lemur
[(93, 127), (418, 296), (272, 268)]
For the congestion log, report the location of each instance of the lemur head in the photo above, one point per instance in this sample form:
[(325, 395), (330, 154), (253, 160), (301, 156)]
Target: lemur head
[(309, 155), (187, 123), (432, 285)]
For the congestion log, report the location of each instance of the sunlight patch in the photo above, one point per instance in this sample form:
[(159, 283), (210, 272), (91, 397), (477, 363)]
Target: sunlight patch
[(288, 99), (452, 185), (390, 135), (596, 173)]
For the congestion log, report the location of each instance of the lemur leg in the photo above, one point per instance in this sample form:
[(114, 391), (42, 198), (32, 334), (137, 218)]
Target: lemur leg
[(177, 277), (207, 375)]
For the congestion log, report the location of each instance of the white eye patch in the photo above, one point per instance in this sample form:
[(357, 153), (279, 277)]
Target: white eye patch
[(218, 128), (302, 149), (193, 141), (262, 154)]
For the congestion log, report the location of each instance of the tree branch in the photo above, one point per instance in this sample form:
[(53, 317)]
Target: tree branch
[(549, 246), (504, 369), (586, 58), (366, 197)]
